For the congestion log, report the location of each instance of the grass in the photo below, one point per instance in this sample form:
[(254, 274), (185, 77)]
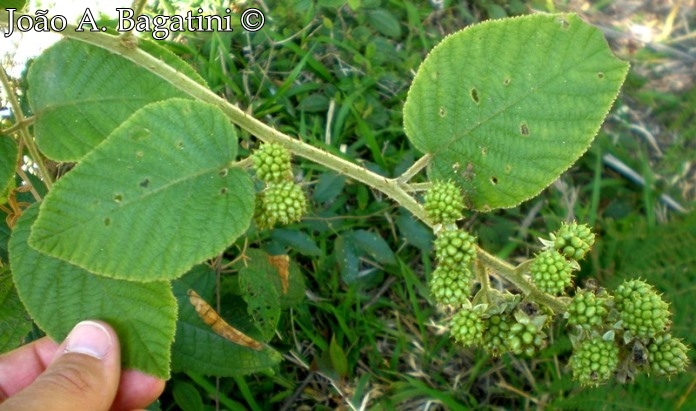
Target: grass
[(368, 336)]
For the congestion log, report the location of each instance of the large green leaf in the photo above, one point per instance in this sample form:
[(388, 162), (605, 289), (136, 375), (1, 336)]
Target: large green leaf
[(80, 93), (199, 349), (158, 196), (505, 106), (14, 320), (58, 295)]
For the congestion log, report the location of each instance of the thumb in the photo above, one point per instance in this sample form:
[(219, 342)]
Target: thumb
[(84, 375)]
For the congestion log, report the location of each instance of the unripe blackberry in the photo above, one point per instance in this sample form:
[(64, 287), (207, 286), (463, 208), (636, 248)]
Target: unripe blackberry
[(525, 337), (573, 240), (454, 249), (594, 361), (551, 272), (282, 203), (667, 355), (642, 310), (450, 286), (443, 202), (587, 309), (497, 330), (272, 163), (466, 326)]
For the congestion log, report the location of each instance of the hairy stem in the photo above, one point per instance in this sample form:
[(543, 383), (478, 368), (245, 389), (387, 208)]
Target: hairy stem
[(23, 128)]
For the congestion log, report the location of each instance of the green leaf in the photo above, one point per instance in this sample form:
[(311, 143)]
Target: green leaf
[(297, 240), (197, 348), (187, 397), (8, 161), (14, 320), (373, 245), (261, 289), (58, 295), (415, 232), (338, 358), (347, 259), (329, 186), (505, 106), (76, 106), (384, 22), (158, 196)]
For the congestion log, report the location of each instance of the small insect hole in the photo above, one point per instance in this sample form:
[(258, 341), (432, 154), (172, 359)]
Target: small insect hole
[(223, 191), (475, 95), (600, 75), (107, 221), (180, 145), (494, 180), (145, 183), (506, 81), (564, 24), (223, 172), (524, 130), (442, 111), (484, 150), (118, 198)]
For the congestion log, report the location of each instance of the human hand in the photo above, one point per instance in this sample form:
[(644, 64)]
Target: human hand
[(82, 373)]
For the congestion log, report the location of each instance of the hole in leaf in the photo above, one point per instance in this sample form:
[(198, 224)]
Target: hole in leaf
[(475, 95), (564, 23), (180, 145), (506, 81), (484, 150), (118, 198), (524, 130), (600, 75), (223, 172), (107, 221), (442, 111), (145, 183), (508, 168), (494, 180), (223, 191)]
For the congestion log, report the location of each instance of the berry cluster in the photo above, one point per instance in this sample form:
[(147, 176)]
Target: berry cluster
[(628, 322), (282, 201), (552, 269), (614, 334)]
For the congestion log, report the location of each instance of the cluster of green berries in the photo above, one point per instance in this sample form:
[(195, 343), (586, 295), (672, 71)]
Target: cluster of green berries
[(614, 334), (444, 203), (552, 269), (282, 201), (622, 333)]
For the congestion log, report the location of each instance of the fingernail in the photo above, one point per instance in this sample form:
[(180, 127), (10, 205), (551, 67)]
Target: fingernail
[(89, 337)]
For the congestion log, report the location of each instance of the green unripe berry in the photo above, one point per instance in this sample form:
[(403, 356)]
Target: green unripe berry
[(272, 163), (497, 331), (587, 309), (667, 355), (594, 361), (551, 272), (449, 286), (466, 326), (443, 202), (282, 203), (525, 338), (642, 310), (455, 249), (573, 240)]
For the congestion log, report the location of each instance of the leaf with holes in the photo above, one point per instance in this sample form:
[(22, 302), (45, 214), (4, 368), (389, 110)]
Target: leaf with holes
[(159, 195), (505, 106), (58, 295)]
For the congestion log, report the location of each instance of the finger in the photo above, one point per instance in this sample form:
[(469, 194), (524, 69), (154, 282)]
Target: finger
[(84, 375), (137, 390), (20, 367)]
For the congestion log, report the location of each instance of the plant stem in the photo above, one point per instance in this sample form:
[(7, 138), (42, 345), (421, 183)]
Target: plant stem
[(23, 128), (415, 169)]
